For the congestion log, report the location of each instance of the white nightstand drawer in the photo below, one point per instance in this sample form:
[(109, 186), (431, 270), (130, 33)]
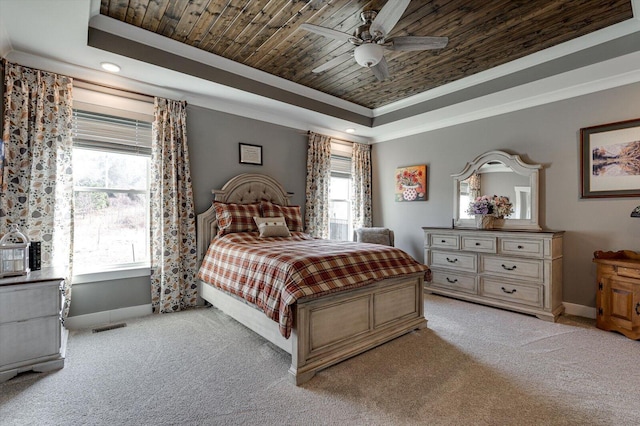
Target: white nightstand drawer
[(454, 281), (24, 341), (531, 295), (454, 260), (445, 241), (525, 269), (18, 303), (518, 247), (480, 244)]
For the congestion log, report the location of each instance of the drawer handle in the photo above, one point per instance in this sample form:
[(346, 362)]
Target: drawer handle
[(507, 291), (509, 269), (455, 280), (452, 261), (477, 244), (638, 307), (443, 241), (520, 247)]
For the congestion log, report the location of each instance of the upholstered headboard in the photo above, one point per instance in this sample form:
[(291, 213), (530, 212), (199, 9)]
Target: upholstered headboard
[(246, 188)]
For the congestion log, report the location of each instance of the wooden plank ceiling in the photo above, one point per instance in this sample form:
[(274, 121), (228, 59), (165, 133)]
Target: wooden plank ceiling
[(264, 34)]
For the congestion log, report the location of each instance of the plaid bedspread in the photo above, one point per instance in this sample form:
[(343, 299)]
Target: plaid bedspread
[(274, 273)]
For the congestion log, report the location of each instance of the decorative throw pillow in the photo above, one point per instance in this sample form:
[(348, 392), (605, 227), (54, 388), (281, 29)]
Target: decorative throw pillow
[(373, 235), (291, 214), (236, 217), (272, 226)]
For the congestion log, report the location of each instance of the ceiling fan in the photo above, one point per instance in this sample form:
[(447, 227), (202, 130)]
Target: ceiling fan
[(370, 39)]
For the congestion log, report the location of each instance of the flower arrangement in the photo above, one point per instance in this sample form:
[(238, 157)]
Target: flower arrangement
[(409, 177), (498, 206)]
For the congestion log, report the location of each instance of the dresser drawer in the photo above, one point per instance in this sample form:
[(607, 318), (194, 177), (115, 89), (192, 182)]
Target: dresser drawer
[(29, 340), (531, 295), (454, 260), (517, 247), (480, 244), (18, 303), (524, 269), (444, 241), (454, 281)]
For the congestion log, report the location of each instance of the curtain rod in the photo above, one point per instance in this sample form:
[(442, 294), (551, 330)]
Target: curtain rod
[(340, 141), (109, 89)]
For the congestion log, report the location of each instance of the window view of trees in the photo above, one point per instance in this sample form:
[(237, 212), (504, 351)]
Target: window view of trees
[(340, 208), (111, 209)]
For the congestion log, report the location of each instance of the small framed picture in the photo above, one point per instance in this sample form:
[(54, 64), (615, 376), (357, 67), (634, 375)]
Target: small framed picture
[(610, 160), (250, 154)]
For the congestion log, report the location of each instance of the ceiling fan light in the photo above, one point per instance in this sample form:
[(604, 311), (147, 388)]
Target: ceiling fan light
[(368, 54)]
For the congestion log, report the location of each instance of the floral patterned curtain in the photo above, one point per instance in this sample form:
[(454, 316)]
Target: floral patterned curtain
[(173, 227), (361, 178), (316, 216), (37, 180)]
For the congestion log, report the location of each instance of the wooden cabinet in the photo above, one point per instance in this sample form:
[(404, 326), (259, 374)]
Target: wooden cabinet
[(618, 292), (516, 270), (31, 332)]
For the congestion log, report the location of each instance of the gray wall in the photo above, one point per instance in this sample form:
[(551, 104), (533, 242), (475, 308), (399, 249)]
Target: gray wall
[(99, 296), (548, 135), (213, 139)]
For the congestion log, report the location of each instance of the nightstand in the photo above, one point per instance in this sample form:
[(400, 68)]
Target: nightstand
[(618, 292), (31, 333)]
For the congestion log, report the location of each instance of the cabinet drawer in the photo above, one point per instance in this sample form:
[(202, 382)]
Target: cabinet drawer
[(628, 272), (524, 269), (18, 303), (454, 260), (517, 247), (28, 340), (531, 295), (481, 244), (444, 241), (454, 281)]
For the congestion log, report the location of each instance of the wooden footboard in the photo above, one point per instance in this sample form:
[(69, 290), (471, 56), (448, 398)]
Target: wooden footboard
[(335, 327)]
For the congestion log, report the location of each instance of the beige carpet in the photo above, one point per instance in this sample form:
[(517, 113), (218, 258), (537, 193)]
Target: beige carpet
[(473, 365)]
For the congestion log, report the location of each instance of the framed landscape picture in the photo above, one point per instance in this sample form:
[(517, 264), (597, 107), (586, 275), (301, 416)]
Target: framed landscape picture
[(411, 183), (610, 160)]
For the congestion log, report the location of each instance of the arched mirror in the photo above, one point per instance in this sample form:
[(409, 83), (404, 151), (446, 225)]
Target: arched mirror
[(498, 173)]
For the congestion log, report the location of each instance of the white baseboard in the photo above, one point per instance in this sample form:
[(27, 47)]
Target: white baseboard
[(106, 317), (579, 310)]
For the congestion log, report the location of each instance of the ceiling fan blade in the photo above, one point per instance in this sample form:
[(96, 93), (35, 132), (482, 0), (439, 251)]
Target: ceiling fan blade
[(388, 16), (332, 63), (381, 70), (417, 43), (327, 32)]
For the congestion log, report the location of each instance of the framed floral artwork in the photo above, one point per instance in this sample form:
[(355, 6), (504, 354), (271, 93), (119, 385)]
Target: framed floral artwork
[(411, 183), (610, 160)]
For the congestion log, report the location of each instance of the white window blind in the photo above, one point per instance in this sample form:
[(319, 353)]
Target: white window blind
[(107, 132), (340, 165)]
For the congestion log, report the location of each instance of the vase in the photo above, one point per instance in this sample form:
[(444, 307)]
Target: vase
[(410, 192), (484, 221)]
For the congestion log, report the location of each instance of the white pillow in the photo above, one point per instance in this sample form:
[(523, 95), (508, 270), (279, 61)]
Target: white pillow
[(272, 226)]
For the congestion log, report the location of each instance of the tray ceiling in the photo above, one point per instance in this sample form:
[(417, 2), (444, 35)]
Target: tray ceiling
[(264, 34)]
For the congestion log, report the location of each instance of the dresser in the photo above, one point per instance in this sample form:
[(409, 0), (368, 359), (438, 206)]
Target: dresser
[(516, 270), (618, 292), (31, 333)]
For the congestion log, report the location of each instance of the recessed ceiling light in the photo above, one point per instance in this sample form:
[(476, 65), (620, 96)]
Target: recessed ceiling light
[(350, 130), (108, 66)]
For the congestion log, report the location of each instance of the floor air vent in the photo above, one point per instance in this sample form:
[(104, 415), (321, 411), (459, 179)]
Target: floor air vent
[(109, 327)]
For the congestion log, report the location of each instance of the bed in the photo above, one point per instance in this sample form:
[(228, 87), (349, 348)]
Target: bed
[(321, 330)]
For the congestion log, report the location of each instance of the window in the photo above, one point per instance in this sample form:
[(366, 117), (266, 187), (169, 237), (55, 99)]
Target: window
[(111, 161), (340, 195)]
